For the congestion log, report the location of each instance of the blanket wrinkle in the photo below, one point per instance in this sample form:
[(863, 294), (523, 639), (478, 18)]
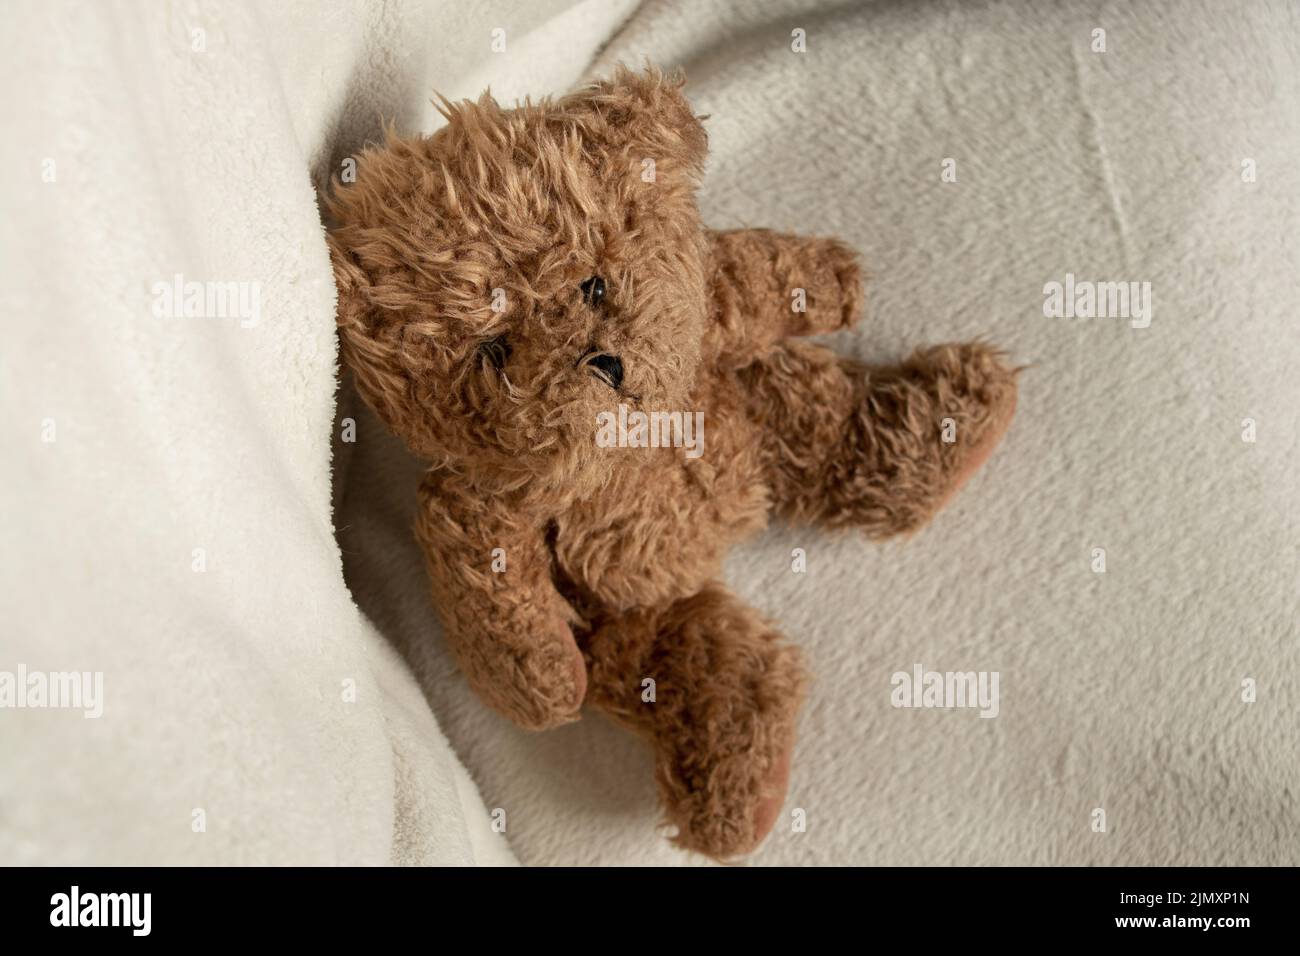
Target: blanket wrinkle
[(1096, 144)]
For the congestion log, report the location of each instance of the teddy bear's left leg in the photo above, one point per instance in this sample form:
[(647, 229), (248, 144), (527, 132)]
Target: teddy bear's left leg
[(880, 449), (715, 691)]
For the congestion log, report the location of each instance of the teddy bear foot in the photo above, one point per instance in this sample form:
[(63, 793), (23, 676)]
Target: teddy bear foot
[(921, 430), (713, 689), (733, 819), (1000, 410), (776, 785)]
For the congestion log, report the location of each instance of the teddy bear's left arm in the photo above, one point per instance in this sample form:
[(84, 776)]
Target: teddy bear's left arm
[(768, 285), (490, 570)]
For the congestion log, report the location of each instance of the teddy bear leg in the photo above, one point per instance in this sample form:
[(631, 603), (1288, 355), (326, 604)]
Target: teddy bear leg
[(715, 691), (881, 449)]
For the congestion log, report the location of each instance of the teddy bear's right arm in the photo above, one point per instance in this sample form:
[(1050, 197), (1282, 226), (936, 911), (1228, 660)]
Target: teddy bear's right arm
[(768, 286), (507, 625)]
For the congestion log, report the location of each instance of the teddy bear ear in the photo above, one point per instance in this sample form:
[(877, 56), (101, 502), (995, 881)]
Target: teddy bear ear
[(644, 112), (372, 355), (350, 282)]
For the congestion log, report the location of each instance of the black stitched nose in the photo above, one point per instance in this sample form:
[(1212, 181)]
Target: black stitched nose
[(609, 367)]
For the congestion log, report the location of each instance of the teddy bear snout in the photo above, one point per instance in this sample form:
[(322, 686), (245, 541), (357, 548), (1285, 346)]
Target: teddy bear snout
[(608, 368)]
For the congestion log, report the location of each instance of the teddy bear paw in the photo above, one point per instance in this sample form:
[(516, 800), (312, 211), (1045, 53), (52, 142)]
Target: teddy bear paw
[(921, 430)]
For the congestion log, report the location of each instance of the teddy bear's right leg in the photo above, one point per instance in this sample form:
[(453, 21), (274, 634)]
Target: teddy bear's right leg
[(880, 449), (715, 691)]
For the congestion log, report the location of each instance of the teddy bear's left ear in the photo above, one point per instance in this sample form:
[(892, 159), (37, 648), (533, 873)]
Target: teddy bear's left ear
[(645, 114)]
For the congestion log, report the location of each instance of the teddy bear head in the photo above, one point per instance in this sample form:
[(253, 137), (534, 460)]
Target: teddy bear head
[(505, 280)]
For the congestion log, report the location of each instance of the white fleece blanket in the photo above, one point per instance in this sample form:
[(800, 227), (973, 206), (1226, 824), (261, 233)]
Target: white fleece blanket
[(167, 489)]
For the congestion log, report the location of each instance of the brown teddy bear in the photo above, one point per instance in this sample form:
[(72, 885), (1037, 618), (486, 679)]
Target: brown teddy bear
[(510, 284)]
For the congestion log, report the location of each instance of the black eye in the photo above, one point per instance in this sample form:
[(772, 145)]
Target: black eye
[(593, 290), (496, 351)]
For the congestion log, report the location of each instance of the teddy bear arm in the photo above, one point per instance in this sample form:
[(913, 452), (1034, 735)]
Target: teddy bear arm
[(507, 626), (769, 285)]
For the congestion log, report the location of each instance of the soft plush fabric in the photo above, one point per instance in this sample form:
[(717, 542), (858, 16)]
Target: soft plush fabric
[(1120, 691)]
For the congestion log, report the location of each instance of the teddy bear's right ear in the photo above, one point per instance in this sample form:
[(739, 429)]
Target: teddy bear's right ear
[(351, 284), (646, 113), (367, 346)]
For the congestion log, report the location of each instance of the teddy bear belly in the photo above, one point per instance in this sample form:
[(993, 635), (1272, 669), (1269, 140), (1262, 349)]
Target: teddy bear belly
[(660, 533)]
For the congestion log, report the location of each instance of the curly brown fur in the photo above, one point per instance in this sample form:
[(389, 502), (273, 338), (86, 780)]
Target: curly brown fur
[(465, 263), (854, 446), (721, 723)]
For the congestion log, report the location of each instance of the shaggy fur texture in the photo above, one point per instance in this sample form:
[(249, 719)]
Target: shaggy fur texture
[(464, 263)]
